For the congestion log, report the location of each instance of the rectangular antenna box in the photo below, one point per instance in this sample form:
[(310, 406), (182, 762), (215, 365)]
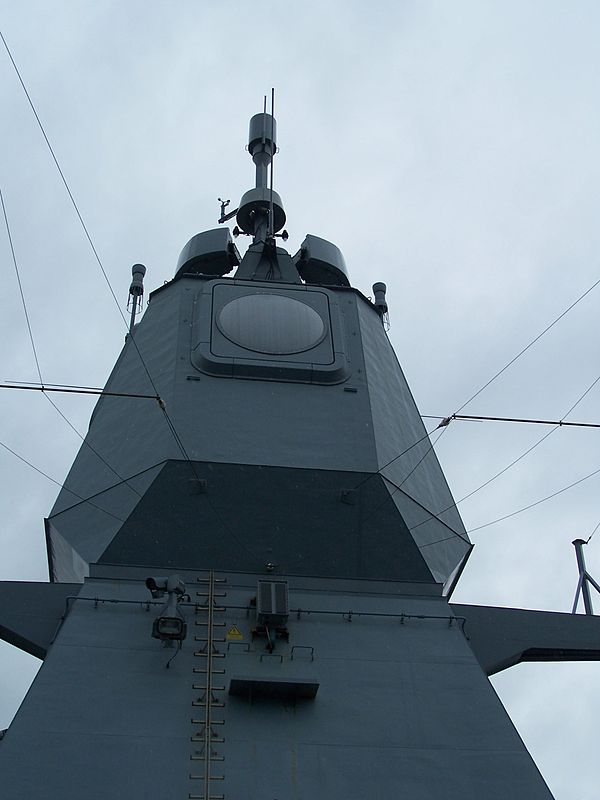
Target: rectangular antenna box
[(272, 604)]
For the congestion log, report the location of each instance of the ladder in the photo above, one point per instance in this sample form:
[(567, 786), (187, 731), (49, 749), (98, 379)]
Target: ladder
[(211, 698)]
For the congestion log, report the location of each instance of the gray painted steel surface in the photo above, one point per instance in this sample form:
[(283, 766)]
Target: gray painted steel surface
[(286, 440), (503, 637), (30, 613), (356, 424), (391, 714)]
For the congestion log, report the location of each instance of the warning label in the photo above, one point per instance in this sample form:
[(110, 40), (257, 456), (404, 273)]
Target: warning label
[(234, 634)]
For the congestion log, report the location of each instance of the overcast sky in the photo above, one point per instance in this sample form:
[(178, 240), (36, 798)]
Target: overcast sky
[(449, 149)]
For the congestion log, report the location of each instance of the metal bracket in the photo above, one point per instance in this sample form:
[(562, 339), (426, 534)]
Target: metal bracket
[(310, 654), (584, 580)]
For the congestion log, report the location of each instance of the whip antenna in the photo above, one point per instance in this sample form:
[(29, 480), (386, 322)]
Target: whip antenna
[(271, 226)]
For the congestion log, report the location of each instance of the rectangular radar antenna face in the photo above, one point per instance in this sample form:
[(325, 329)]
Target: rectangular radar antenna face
[(254, 330)]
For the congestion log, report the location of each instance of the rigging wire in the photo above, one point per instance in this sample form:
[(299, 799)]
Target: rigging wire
[(168, 420), (97, 257), (590, 537), (35, 353), (473, 418), (531, 343), (447, 420), (163, 408), (58, 483), (60, 172), (391, 461), (438, 514), (536, 503), (14, 260), (398, 487), (58, 387)]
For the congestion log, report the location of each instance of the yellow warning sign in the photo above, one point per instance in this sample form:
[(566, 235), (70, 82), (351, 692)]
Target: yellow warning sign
[(234, 634)]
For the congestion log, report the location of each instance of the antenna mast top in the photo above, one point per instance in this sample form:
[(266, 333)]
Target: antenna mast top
[(261, 212), (262, 145)]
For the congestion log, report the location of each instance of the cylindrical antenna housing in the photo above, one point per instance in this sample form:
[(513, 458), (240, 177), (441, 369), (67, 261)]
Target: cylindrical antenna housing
[(258, 204), (263, 130), (262, 145), (136, 291), (137, 282), (379, 290)]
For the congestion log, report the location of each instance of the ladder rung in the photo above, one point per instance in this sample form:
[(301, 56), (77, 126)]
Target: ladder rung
[(215, 624), (213, 688), (214, 671), (210, 797), (214, 654), (205, 608), (197, 738), (213, 757), (212, 777), (212, 722), (214, 638), (213, 704)]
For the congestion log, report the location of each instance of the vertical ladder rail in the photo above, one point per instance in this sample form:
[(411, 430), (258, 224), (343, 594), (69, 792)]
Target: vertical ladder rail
[(209, 700)]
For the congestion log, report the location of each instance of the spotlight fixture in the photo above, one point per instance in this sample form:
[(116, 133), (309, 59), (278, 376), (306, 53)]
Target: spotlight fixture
[(169, 626)]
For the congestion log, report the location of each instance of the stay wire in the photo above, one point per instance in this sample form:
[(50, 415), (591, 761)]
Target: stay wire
[(391, 461), (591, 536), (536, 503), (484, 418), (14, 260), (60, 172), (489, 382), (66, 389), (92, 448), (398, 487), (438, 514), (35, 353), (96, 255), (169, 422), (58, 483), (527, 347), (447, 420)]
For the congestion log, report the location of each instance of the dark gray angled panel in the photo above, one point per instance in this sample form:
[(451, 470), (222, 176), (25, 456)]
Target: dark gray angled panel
[(78, 535), (308, 522), (441, 547), (503, 637), (31, 612), (398, 426)]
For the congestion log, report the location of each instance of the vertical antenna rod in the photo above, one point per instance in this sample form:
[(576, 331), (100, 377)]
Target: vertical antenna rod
[(271, 226)]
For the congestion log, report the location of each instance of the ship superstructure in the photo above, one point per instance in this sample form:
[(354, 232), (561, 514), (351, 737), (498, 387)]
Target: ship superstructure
[(253, 598)]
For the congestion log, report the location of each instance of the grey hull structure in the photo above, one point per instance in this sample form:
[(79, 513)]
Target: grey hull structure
[(250, 590)]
